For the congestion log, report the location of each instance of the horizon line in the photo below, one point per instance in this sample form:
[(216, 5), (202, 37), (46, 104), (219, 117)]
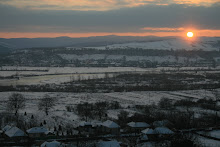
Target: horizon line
[(103, 36)]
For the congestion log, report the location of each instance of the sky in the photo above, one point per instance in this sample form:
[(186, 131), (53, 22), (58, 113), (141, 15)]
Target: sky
[(85, 18)]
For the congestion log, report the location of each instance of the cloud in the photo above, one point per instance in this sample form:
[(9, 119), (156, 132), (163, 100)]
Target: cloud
[(197, 2), (152, 29), (141, 19), (81, 5), (96, 5)]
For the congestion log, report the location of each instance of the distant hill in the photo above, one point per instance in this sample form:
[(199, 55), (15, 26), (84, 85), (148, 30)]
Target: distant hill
[(203, 43), (76, 42), (112, 41)]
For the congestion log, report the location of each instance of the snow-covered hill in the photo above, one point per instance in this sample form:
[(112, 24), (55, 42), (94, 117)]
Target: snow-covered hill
[(204, 43)]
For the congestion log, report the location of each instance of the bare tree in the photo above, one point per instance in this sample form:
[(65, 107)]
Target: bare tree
[(100, 109), (16, 102), (46, 104), (123, 118), (85, 110), (165, 103)]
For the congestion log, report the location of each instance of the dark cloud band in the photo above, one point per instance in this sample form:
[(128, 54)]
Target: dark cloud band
[(121, 20)]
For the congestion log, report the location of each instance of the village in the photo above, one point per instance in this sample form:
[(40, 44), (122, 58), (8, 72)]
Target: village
[(107, 131), (163, 124), (109, 73), (100, 134)]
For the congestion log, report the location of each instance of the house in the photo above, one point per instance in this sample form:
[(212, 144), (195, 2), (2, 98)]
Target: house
[(108, 144), (37, 132), (142, 138), (137, 127), (52, 144), (163, 131), (85, 128), (159, 131), (110, 127), (15, 132), (97, 126), (150, 133)]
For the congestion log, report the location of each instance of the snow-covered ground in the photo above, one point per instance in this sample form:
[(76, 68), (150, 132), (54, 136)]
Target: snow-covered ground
[(59, 113), (206, 44), (58, 75), (214, 133), (206, 142), (64, 70), (49, 79), (84, 70)]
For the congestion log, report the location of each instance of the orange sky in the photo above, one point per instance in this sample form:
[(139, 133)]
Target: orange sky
[(48, 21), (197, 33)]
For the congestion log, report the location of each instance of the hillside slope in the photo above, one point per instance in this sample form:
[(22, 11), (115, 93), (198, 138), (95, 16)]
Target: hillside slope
[(206, 44)]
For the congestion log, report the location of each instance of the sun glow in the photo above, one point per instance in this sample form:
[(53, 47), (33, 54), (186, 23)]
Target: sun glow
[(190, 34)]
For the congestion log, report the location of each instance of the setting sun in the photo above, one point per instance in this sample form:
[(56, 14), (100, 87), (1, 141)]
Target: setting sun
[(190, 34)]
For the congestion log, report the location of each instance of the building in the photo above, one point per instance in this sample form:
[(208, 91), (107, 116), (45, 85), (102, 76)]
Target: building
[(137, 127), (150, 133), (163, 130), (38, 132), (142, 138), (85, 128), (110, 127), (15, 132), (53, 144)]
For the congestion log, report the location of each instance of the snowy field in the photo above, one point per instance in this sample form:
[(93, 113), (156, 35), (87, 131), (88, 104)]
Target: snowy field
[(64, 70), (126, 99), (49, 79), (84, 70), (59, 75), (175, 44), (214, 133), (206, 142)]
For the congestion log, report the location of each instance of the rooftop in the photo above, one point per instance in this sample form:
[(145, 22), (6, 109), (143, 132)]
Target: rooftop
[(15, 132), (110, 124), (38, 130), (138, 124)]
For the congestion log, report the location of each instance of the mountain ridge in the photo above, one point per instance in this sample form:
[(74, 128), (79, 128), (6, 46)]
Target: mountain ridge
[(113, 41)]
